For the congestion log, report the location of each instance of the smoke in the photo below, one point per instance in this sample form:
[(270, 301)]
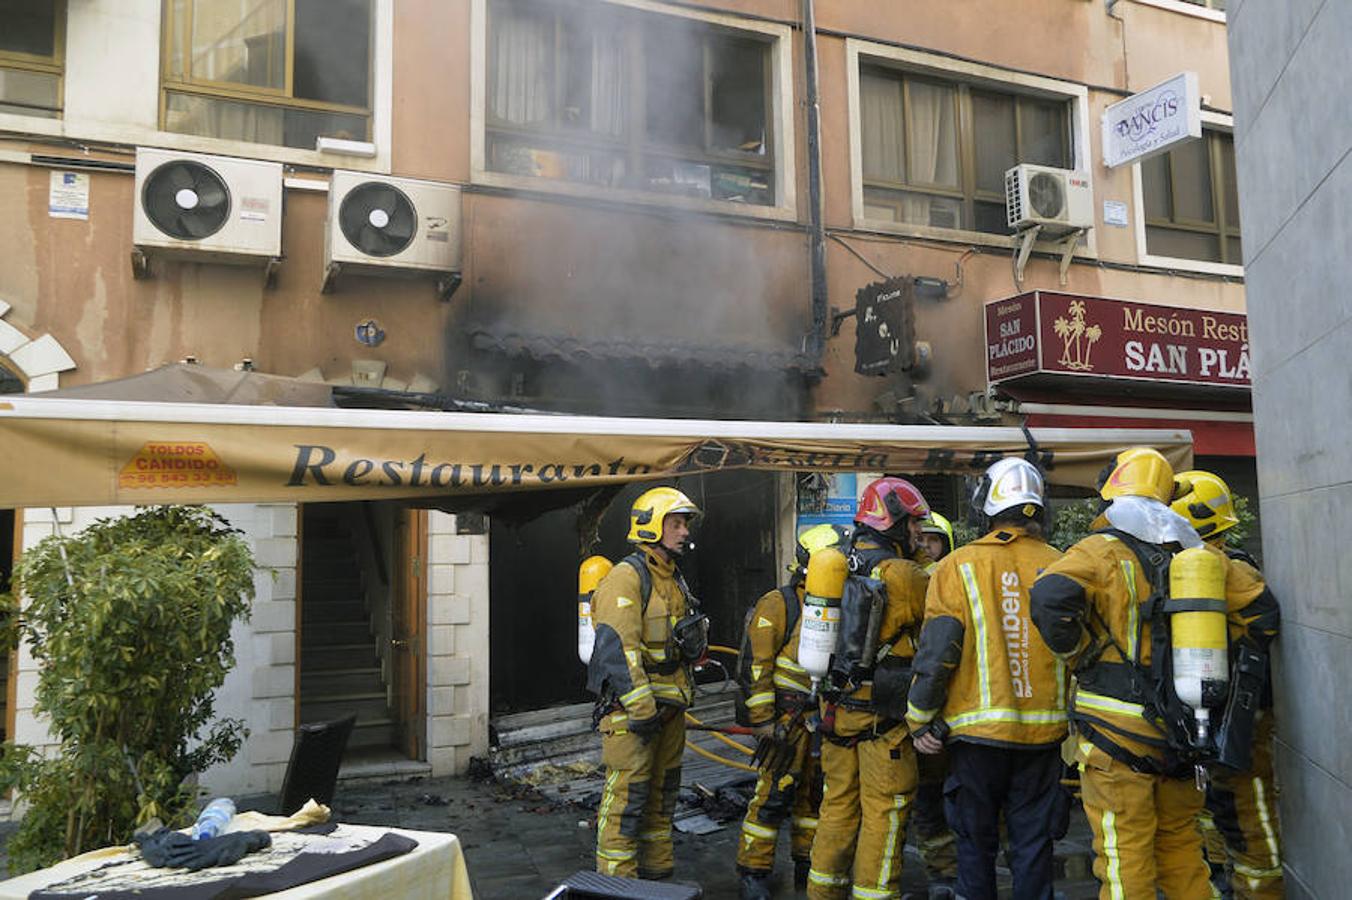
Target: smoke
[(707, 309)]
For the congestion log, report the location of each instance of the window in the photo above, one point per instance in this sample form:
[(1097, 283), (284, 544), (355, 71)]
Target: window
[(1209, 4), (268, 71), (605, 95), (32, 48), (935, 152), (1192, 201)]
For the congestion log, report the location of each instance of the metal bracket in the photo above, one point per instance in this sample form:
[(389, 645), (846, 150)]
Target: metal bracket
[(330, 278), (838, 316), (447, 285), (1024, 241), (270, 272), (1066, 245), (140, 264)]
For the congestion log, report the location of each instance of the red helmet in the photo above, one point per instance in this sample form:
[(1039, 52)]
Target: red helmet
[(888, 501)]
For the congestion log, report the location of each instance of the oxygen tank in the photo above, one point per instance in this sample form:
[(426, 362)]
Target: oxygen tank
[(826, 571), (589, 575), (1198, 632)]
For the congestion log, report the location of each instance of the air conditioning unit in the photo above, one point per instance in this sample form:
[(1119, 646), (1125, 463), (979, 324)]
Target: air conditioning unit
[(392, 226), (206, 208), (1059, 200)]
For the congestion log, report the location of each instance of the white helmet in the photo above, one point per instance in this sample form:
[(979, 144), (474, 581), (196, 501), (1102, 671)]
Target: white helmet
[(1009, 483)]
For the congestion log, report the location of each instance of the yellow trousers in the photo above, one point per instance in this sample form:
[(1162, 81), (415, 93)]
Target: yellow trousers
[(792, 797), (862, 824), (1240, 821), (1145, 831), (643, 778)]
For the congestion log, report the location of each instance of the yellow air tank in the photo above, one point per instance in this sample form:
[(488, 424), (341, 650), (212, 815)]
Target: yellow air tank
[(1198, 632), (826, 571), (589, 575)]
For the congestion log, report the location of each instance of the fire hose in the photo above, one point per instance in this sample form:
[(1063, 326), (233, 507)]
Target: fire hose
[(718, 733)]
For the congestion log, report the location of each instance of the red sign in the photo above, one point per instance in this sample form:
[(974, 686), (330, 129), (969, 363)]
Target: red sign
[(1064, 334)]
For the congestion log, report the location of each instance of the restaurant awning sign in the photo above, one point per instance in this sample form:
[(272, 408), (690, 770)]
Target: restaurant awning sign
[(1046, 332), (69, 452), (1153, 121)]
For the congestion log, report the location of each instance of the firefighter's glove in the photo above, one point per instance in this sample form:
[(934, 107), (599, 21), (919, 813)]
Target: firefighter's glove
[(175, 850), (226, 849), (930, 739), (646, 729), (164, 848)]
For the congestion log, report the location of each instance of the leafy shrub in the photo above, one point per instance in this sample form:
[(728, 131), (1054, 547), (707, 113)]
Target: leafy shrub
[(130, 623)]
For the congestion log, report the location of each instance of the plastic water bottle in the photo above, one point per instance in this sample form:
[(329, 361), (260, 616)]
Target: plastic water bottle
[(213, 819)]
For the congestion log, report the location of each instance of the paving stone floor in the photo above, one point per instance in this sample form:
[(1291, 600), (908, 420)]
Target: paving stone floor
[(519, 845)]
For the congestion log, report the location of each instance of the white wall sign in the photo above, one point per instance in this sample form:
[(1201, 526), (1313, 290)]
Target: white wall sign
[(68, 196), (1153, 121), (1115, 213)]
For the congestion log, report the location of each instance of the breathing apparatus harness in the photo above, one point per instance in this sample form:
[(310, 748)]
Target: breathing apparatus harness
[(1153, 686), (689, 635), (863, 656)]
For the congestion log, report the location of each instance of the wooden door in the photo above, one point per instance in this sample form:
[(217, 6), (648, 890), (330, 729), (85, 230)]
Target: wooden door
[(408, 656)]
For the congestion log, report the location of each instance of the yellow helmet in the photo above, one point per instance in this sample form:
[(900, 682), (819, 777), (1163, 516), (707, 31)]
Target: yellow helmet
[(1205, 501), (651, 508), (1139, 472), (935, 523)]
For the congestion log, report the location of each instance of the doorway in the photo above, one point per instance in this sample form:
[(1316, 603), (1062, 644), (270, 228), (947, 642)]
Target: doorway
[(362, 610), (533, 660)]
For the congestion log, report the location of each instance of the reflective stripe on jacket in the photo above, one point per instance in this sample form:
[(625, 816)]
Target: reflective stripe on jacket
[(632, 645), (982, 665), (774, 670)]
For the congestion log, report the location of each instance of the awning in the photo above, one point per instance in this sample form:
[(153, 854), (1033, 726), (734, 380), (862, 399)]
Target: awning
[(715, 357), (1214, 432), (75, 452)]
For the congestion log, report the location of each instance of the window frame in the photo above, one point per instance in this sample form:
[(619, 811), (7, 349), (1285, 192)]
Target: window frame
[(1186, 8), (967, 76), (263, 96), (45, 65), (779, 121), (1213, 122)]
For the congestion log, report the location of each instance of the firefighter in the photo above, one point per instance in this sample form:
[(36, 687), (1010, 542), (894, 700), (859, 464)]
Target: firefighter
[(1240, 822), (1092, 608), (936, 538), (933, 838), (867, 758), (639, 672), (778, 692), (987, 685)]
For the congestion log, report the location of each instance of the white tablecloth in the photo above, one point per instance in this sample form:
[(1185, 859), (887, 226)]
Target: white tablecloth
[(433, 869)]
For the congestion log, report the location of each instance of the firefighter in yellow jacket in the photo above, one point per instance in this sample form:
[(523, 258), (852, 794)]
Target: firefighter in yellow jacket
[(1240, 822), (647, 635), (1090, 607), (867, 758), (987, 685), (933, 838), (778, 692)]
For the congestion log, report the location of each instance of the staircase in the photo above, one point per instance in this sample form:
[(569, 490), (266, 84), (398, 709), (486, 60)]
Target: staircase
[(339, 657)]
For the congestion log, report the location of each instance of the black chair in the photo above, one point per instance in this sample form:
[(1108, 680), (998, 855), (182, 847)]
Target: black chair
[(312, 771), (593, 886)]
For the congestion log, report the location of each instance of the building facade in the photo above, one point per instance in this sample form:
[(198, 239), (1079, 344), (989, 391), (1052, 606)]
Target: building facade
[(638, 220), (1293, 167)]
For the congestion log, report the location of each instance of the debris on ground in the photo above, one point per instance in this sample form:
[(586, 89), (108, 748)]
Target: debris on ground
[(433, 800), (480, 770)]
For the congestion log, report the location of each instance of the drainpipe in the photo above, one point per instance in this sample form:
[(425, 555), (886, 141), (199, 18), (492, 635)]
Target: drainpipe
[(816, 230)]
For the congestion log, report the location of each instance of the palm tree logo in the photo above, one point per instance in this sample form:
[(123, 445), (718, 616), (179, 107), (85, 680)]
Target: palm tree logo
[(1076, 337)]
